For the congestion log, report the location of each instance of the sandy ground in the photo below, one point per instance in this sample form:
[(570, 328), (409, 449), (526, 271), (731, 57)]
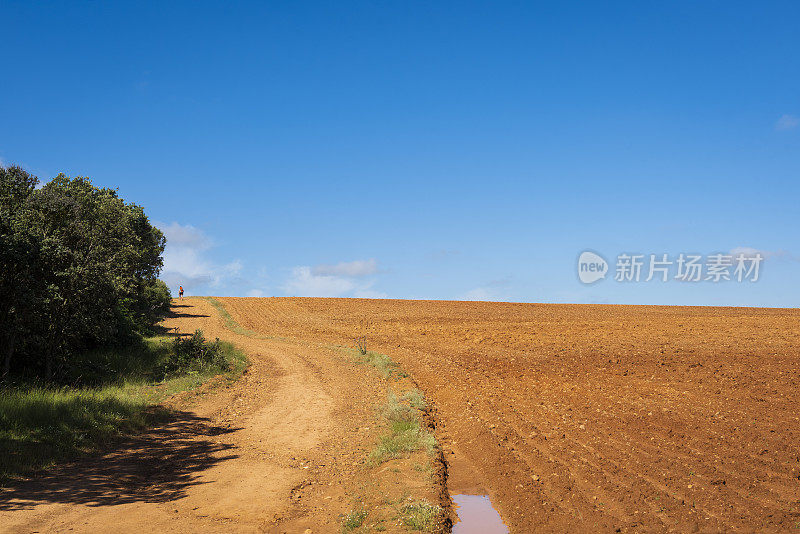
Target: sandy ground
[(581, 418), (281, 450)]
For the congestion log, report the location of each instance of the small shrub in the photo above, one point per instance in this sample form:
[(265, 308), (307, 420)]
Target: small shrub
[(354, 519), (421, 515), (195, 354), (361, 339), (361, 345)]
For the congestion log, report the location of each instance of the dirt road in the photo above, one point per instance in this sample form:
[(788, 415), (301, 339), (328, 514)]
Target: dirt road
[(595, 418), (281, 450)]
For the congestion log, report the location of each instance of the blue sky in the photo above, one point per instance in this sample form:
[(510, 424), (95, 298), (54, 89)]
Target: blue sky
[(424, 150)]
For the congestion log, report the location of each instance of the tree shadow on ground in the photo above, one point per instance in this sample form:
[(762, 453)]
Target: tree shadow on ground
[(163, 331), (158, 465), (175, 315)]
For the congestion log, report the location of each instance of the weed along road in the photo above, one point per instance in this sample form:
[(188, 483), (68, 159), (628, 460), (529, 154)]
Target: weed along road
[(293, 446)]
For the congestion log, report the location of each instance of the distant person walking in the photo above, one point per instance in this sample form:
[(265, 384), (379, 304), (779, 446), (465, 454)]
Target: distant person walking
[(180, 292)]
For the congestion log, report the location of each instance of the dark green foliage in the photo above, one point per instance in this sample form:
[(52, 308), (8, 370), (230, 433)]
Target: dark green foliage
[(195, 354), (19, 266), (153, 306), (79, 271)]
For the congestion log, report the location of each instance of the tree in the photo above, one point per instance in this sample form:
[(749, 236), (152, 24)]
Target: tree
[(81, 269), (18, 255)]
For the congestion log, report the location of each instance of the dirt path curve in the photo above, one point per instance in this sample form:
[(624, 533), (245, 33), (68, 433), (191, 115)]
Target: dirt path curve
[(274, 452)]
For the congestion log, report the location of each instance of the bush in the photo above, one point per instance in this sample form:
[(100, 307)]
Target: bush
[(78, 271), (153, 306), (421, 515), (195, 354)]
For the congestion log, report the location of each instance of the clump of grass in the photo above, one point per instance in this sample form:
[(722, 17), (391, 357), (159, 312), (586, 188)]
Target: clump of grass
[(415, 399), (354, 519), (405, 434), (420, 515), (395, 410), (388, 368), (40, 426), (422, 468)]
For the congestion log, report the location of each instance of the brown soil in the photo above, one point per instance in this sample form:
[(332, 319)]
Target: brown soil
[(283, 449), (593, 418)]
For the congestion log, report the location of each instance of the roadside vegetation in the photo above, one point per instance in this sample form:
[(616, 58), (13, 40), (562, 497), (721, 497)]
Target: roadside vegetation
[(404, 444), (79, 272), (421, 515), (80, 304), (353, 521), (382, 363), (405, 432), (41, 425)]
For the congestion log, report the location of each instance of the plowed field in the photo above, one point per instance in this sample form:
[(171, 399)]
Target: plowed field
[(594, 418)]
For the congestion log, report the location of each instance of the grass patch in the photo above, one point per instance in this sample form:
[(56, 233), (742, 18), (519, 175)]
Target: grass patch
[(415, 399), (423, 468), (405, 434), (354, 520), (388, 368), (421, 515), (40, 426)]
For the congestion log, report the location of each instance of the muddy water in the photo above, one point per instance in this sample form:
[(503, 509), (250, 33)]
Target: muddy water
[(472, 505), (476, 515)]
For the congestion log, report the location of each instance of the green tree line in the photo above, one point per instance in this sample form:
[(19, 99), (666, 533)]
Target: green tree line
[(78, 270)]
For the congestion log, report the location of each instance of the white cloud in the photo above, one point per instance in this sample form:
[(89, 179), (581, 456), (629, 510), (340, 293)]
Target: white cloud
[(358, 268), (493, 290), (747, 251), (342, 279), (186, 262), (304, 283), (179, 235), (750, 252), (255, 292), (787, 122)]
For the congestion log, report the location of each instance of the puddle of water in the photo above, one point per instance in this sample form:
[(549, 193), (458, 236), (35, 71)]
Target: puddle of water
[(476, 515)]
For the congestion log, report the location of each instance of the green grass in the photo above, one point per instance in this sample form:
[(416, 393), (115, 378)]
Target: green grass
[(420, 515), (415, 399), (405, 433), (354, 520), (388, 368), (40, 426)]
